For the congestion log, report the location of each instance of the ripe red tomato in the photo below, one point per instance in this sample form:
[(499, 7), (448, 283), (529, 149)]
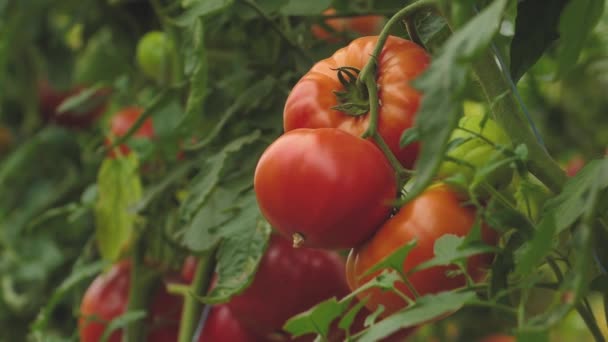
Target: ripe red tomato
[(122, 121), (435, 212), (221, 326), (310, 102), (50, 99), (363, 25), (288, 281), (330, 187), (106, 298)]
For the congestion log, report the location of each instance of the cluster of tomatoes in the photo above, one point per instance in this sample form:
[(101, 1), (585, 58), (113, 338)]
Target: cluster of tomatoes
[(321, 185)]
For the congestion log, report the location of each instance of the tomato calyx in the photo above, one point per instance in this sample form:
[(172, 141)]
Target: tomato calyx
[(354, 99), (298, 239)]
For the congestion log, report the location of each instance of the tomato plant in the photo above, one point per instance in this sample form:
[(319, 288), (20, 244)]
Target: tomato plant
[(106, 299), (313, 100), (435, 213), (342, 184)]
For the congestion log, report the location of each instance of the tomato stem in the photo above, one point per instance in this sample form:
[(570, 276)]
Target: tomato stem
[(143, 282), (192, 307)]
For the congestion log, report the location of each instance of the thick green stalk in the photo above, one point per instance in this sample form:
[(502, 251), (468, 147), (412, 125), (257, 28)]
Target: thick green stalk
[(143, 282), (192, 306), (509, 116)]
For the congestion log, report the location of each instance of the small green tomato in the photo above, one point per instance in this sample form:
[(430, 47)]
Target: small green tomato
[(154, 55)]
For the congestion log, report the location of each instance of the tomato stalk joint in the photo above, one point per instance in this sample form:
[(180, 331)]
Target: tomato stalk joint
[(354, 99)]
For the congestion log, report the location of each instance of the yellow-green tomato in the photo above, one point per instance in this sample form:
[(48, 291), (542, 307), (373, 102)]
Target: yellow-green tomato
[(474, 147), (154, 55)]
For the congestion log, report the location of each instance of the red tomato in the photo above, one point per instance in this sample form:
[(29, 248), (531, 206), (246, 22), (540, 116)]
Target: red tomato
[(122, 121), (498, 338), (434, 213), (189, 268), (221, 326), (50, 99), (330, 187), (310, 102), (363, 25), (106, 298), (288, 281)]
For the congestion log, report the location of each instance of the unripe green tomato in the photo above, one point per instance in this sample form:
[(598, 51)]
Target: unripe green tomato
[(154, 55), (476, 152)]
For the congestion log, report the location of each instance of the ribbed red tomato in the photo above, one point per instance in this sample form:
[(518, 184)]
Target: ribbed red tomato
[(364, 25), (436, 212), (310, 102), (107, 297), (221, 326), (288, 281), (331, 188), (123, 120)]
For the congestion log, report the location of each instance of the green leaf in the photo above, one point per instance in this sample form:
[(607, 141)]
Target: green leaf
[(196, 9), (121, 322), (443, 84), (532, 336), (535, 30), (394, 260), (578, 19), (408, 137), (204, 183), (317, 320), (238, 256), (425, 309), (347, 319), (311, 7), (83, 101), (450, 249), (119, 190), (562, 211)]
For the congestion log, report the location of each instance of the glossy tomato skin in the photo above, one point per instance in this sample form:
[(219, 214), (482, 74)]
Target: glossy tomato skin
[(107, 297), (310, 101), (363, 25), (50, 99), (122, 121), (327, 185), (435, 212), (221, 326), (288, 281)]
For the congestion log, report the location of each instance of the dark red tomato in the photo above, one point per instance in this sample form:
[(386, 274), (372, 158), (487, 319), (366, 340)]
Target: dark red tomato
[(221, 326), (435, 212), (189, 268), (363, 25), (106, 298), (288, 281), (310, 102), (122, 121), (50, 99), (498, 338), (329, 187)]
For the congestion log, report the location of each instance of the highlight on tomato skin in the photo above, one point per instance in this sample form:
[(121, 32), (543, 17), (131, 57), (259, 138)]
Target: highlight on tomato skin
[(366, 25), (325, 186), (311, 102), (435, 212)]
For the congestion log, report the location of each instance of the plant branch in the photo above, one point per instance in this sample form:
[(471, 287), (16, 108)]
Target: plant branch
[(199, 287)]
